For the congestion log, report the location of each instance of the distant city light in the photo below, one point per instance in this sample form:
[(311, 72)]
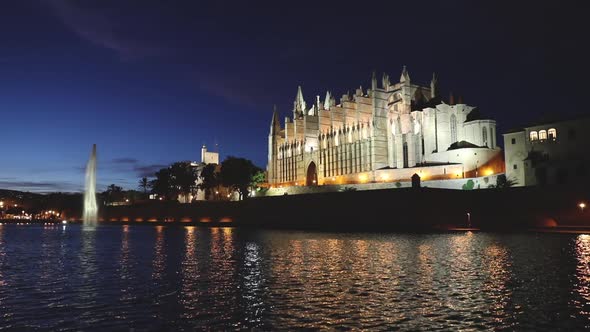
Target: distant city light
[(64, 222)]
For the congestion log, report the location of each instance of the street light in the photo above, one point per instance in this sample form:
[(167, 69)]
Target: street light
[(582, 205)]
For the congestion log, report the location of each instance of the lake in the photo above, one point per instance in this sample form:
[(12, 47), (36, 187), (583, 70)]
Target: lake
[(146, 278)]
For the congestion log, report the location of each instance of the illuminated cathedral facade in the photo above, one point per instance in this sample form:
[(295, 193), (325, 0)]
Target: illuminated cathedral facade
[(384, 134)]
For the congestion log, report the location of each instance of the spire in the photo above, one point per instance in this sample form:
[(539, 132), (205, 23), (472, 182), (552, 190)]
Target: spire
[(327, 101), (433, 86), (359, 91), (275, 125), (385, 81), (299, 102), (405, 77)]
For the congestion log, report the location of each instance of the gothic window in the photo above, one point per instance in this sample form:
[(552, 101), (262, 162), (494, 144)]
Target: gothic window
[(534, 136), (552, 134), (453, 128), (542, 135), (484, 135)]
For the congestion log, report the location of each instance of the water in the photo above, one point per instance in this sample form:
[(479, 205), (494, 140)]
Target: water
[(90, 208), (185, 278)]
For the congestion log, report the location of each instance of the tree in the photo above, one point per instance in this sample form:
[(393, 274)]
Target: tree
[(238, 174), (258, 178), (162, 184), (209, 179), (184, 178), (144, 184), (503, 182), (113, 193), (469, 185)]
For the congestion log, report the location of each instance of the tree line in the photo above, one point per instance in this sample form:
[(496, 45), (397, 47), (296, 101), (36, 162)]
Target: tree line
[(180, 180)]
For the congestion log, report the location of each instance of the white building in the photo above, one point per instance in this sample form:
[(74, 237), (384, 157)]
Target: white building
[(207, 157), (386, 133), (549, 152)]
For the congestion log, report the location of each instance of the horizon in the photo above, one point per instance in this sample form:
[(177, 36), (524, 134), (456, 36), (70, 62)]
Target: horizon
[(150, 94)]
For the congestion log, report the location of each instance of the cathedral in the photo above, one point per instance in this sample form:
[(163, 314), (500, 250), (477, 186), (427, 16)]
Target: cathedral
[(384, 134)]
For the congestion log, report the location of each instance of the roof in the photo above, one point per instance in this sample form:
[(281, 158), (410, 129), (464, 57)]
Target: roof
[(550, 119), (462, 145)]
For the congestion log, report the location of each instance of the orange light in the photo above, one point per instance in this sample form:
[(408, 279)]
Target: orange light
[(205, 219), (225, 219)]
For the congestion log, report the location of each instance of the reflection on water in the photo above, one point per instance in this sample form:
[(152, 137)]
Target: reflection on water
[(582, 285), (185, 278), (159, 261)]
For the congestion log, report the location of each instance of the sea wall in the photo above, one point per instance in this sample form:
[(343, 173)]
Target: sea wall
[(376, 210)]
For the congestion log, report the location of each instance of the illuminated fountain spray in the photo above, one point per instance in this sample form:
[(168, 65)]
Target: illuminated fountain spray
[(90, 209)]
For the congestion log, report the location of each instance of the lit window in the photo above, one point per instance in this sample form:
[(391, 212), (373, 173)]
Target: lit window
[(534, 136), (552, 134), (542, 135)]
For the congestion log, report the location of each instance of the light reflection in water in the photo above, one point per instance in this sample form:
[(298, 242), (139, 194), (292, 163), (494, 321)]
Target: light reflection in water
[(2, 260), (86, 288), (193, 278), (253, 281), (582, 287), (497, 262), (189, 296), (159, 261)]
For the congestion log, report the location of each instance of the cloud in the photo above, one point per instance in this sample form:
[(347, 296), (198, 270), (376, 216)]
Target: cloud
[(106, 28), (125, 161), (128, 164), (148, 170), (40, 187)]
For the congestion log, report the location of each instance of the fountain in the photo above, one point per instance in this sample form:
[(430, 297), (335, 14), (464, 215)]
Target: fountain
[(90, 209)]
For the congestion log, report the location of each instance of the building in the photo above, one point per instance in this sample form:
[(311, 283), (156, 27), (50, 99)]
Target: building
[(207, 157), (384, 134), (549, 152)]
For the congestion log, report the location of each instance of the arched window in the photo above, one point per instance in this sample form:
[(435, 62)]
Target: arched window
[(552, 134), (484, 135), (542, 135), (453, 128), (534, 136)]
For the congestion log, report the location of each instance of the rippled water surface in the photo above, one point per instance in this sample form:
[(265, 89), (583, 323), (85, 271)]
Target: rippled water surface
[(186, 278)]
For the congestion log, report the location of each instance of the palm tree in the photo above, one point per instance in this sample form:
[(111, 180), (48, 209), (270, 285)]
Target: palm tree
[(144, 184)]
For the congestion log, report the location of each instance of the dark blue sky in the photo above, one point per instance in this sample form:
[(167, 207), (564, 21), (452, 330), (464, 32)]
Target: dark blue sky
[(151, 83)]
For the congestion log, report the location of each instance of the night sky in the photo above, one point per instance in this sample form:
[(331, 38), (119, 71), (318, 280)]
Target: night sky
[(150, 83)]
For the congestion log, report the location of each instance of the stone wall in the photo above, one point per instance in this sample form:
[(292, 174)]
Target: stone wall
[(458, 184)]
